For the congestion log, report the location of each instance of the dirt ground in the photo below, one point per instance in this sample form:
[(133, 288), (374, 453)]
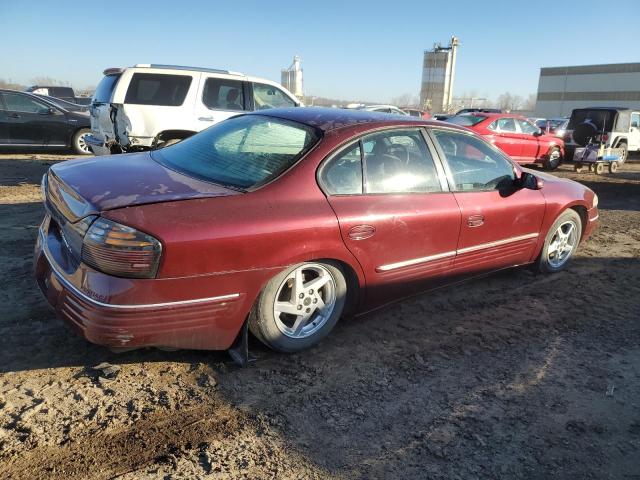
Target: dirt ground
[(516, 375)]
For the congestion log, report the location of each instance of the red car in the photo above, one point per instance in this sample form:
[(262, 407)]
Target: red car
[(516, 136), (284, 220)]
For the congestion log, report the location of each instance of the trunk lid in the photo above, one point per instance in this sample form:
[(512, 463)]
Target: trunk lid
[(77, 188)]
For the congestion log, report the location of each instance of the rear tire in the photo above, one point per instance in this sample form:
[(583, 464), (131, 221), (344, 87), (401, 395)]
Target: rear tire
[(79, 144), (598, 168), (287, 315), (613, 167), (553, 159), (623, 157), (561, 242)]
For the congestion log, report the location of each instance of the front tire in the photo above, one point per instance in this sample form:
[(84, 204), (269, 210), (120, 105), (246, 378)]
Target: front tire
[(79, 144), (561, 242), (299, 306), (553, 159)]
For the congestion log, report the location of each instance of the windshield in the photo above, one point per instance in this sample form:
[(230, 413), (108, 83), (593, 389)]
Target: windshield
[(466, 120), (242, 152)]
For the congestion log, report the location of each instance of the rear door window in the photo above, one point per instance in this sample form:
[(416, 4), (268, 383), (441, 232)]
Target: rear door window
[(105, 89), (158, 89), (223, 94), (399, 161), (343, 174), (507, 125), (268, 96)]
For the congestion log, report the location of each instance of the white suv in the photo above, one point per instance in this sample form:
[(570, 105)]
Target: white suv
[(152, 106)]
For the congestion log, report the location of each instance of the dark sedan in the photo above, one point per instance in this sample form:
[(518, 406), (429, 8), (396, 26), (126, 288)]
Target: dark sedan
[(29, 122), (282, 220)]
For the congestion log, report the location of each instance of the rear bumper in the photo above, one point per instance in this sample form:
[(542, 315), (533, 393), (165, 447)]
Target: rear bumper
[(84, 299)]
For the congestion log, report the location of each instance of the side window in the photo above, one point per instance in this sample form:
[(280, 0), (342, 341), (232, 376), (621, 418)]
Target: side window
[(474, 165), (399, 161), (223, 94), (268, 96), (527, 127), (507, 125), (635, 120), (343, 174), (15, 102), (158, 89)]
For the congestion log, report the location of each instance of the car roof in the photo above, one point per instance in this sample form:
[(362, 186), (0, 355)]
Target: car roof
[(330, 119)]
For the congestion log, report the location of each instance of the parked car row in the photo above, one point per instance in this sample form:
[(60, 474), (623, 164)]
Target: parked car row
[(38, 122)]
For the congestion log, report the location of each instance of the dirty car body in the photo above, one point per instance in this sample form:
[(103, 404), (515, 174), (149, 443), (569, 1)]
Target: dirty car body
[(189, 257)]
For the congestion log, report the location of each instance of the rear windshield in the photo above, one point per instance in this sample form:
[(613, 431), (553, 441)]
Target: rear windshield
[(466, 120), (602, 119), (158, 89), (242, 152), (105, 88)]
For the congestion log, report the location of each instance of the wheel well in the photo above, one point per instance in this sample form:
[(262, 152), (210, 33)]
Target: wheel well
[(584, 218), (621, 140), (353, 285), (171, 134)]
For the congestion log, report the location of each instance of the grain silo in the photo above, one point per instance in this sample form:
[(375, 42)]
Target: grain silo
[(438, 71), (291, 78)]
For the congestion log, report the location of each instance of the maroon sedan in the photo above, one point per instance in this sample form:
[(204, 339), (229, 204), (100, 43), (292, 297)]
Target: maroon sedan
[(516, 136), (285, 220)]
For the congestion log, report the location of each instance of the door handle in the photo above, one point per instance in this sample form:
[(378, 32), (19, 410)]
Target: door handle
[(475, 220), (206, 119), (361, 232), (13, 115)]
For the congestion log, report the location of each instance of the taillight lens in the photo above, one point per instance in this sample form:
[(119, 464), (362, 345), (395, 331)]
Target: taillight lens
[(120, 250)]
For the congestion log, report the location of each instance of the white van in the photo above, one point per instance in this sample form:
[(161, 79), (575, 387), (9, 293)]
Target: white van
[(152, 106)]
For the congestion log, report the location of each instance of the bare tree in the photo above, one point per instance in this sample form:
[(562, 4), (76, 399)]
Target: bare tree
[(49, 81), (8, 84), (530, 102), (405, 100), (507, 101)]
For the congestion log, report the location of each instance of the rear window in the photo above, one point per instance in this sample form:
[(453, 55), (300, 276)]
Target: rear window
[(466, 120), (242, 152), (105, 89), (158, 89)]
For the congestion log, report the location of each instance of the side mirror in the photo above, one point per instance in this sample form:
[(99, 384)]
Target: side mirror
[(538, 133), (48, 111), (530, 181)]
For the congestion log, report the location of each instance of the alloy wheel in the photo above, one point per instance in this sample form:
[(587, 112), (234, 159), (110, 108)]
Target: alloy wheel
[(562, 244), (305, 301)]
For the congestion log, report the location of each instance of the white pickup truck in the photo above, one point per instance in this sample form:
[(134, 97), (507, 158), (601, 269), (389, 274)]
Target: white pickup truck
[(152, 106)]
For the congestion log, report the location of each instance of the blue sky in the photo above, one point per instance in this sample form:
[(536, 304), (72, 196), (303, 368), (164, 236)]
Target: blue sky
[(368, 50)]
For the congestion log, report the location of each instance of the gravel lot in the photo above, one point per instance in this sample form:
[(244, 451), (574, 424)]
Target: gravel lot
[(517, 375)]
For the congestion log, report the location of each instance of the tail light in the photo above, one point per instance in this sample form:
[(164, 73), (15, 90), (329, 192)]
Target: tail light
[(120, 250)]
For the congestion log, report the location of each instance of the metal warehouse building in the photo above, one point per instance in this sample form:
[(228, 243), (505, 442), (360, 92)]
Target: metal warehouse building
[(561, 89)]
